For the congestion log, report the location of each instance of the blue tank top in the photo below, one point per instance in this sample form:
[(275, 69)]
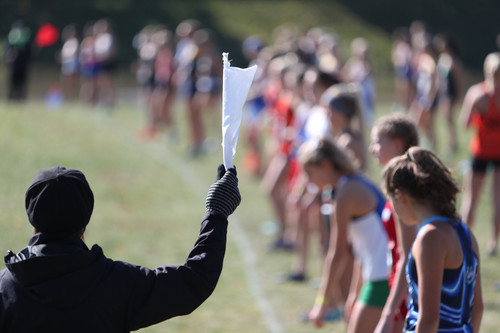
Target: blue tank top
[(457, 291)]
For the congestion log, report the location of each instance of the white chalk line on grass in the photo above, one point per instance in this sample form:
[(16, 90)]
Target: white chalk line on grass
[(252, 275), (238, 237)]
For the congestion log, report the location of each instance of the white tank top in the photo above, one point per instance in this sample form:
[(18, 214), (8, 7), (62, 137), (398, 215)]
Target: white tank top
[(369, 242)]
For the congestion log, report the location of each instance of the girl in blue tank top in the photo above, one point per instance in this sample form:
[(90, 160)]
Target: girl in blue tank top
[(457, 292), (443, 267)]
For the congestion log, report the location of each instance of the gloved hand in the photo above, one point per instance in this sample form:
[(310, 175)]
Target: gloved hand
[(223, 195)]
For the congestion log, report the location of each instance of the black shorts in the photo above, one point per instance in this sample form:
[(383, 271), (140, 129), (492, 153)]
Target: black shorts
[(481, 165)]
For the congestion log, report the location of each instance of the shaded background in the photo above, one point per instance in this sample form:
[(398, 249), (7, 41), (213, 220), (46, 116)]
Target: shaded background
[(474, 23)]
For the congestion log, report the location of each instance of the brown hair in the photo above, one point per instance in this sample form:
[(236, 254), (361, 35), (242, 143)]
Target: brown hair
[(420, 174), (314, 153), (398, 126), (348, 96)]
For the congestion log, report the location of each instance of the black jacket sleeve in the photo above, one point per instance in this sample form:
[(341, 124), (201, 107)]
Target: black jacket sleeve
[(170, 291)]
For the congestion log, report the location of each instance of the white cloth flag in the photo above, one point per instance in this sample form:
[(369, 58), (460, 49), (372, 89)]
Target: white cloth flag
[(236, 83)]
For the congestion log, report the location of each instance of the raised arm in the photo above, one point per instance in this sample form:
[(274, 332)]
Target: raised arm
[(168, 291)]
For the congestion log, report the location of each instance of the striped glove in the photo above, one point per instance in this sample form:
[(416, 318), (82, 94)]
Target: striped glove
[(223, 195)]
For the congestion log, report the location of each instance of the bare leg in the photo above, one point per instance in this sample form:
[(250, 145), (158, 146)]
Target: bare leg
[(426, 122), (364, 318), (274, 183), (196, 124), (474, 183), (424, 118), (297, 217), (106, 90), (496, 214), (165, 115), (448, 114)]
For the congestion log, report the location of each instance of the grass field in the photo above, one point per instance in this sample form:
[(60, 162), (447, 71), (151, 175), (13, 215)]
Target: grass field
[(149, 201)]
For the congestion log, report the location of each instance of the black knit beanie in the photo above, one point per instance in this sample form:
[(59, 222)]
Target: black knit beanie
[(59, 200)]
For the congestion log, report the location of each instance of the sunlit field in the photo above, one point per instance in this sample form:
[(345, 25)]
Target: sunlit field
[(149, 199)]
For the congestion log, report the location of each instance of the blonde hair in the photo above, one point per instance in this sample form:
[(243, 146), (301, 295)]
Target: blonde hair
[(491, 65), (325, 149), (422, 175), (360, 46)]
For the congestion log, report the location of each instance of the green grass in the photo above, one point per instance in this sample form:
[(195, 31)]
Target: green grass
[(150, 196), (149, 199)]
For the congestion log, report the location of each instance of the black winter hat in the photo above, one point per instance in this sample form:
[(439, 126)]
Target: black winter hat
[(59, 200)]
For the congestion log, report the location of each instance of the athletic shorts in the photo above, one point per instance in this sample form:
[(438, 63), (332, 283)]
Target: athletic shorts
[(374, 293), (481, 165)]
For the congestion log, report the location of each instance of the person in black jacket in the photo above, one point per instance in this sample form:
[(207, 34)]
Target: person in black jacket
[(58, 284)]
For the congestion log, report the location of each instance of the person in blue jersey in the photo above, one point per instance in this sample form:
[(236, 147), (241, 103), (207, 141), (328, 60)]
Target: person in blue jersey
[(443, 271), (355, 224)]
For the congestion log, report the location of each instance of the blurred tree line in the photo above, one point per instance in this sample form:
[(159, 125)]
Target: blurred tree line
[(127, 16), (474, 23)]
